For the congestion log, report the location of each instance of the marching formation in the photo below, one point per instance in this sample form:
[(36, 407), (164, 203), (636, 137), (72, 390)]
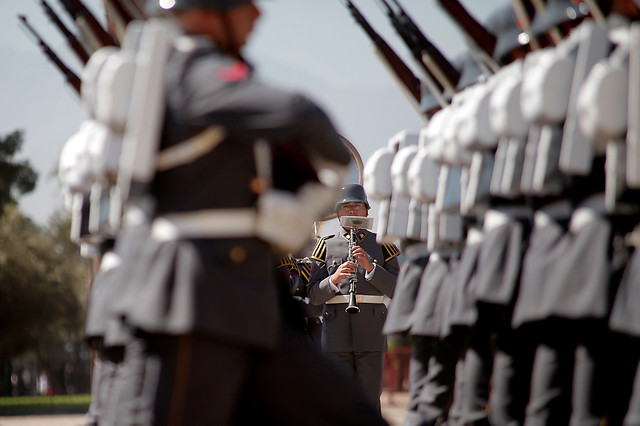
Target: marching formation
[(515, 207)]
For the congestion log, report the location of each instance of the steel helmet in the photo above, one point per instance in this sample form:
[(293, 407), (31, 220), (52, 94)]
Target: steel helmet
[(352, 193), (557, 12), (503, 24)]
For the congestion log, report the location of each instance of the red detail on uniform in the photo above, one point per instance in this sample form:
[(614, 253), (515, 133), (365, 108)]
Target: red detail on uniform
[(237, 72)]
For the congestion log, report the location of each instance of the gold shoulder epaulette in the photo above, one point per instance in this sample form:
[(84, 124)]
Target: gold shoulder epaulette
[(390, 251), (305, 271), (285, 261), (319, 252)]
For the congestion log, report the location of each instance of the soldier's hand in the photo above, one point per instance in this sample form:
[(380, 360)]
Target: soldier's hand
[(363, 258), (346, 270)]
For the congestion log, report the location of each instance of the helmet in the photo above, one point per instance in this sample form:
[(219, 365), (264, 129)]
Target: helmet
[(352, 193), (154, 6), (469, 70), (557, 12), (503, 24)]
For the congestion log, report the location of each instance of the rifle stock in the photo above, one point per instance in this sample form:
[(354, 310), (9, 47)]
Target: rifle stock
[(476, 33), (88, 23), (483, 38), (399, 69), (435, 61), (73, 41), (71, 77)]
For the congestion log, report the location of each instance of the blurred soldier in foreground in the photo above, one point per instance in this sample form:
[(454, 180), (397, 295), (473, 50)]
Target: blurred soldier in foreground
[(296, 272), (355, 341), (221, 342)]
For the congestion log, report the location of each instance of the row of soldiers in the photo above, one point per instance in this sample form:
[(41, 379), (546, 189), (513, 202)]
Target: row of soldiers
[(188, 181), (516, 205)]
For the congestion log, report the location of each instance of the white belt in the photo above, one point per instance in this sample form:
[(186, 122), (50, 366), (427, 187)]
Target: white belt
[(360, 298), (214, 223)]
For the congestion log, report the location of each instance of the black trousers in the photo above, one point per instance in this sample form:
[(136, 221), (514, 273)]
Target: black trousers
[(200, 380), (496, 371), (581, 374), (432, 370)]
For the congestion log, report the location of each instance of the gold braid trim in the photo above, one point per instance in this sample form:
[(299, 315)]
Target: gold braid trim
[(286, 261), (319, 252), (390, 251), (305, 271)]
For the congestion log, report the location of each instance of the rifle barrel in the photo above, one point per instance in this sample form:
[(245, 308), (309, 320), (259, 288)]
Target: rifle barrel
[(439, 65), (83, 16), (72, 78), (398, 67), (485, 40), (73, 41)]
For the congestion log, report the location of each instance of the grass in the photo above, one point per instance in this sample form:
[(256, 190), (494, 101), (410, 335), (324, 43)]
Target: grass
[(56, 404)]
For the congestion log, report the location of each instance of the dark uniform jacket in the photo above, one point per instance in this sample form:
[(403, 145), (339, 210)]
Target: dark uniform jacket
[(223, 287), (341, 331)]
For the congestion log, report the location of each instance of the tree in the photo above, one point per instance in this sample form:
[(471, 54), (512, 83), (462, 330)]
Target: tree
[(42, 286), (16, 177)]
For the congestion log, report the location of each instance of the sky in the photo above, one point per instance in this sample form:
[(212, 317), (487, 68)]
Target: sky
[(311, 46)]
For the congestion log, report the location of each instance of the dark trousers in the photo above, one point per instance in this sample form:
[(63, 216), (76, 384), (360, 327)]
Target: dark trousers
[(432, 370), (200, 380), (572, 378), (496, 370), (510, 378), (366, 368)]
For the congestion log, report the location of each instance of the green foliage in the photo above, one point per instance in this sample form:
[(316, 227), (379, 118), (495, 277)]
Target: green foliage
[(57, 404), (16, 177), (42, 286)]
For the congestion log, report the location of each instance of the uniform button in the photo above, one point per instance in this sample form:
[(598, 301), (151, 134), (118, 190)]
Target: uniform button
[(237, 254), (258, 185)]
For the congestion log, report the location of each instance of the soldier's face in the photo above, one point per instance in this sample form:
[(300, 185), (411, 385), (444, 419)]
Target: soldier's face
[(241, 20), (352, 209)]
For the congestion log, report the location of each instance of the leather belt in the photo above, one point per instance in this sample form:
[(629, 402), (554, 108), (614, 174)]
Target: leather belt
[(360, 298), (213, 223)]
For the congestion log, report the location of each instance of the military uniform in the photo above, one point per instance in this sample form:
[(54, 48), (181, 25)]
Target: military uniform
[(214, 316), (297, 274), (356, 340)]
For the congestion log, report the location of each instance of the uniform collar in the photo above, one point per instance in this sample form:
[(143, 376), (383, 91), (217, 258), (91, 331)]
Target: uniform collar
[(360, 235)]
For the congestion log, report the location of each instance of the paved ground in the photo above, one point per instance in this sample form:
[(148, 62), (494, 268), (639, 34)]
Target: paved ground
[(392, 410)]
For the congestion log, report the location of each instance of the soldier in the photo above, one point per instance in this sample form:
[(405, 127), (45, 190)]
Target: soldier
[(355, 341), (221, 338), (297, 273)]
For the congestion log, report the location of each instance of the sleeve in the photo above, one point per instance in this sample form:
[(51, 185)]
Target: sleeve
[(289, 270), (320, 288), (319, 252), (390, 251), (384, 276)]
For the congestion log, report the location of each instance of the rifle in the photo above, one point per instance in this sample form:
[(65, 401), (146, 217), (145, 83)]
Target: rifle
[(481, 41), (425, 53), (118, 17), (93, 31), (135, 8), (525, 11), (73, 41), (71, 77), (399, 69)]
